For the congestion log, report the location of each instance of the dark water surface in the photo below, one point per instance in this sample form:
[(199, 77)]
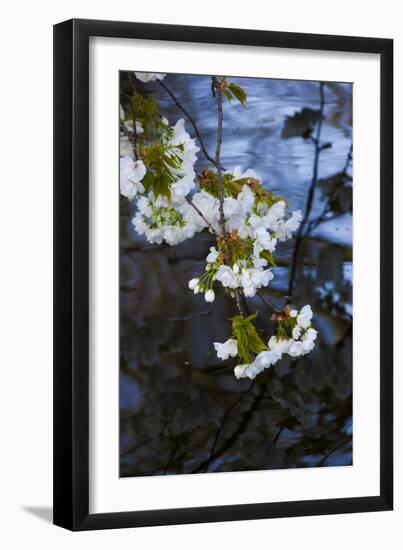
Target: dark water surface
[(182, 409)]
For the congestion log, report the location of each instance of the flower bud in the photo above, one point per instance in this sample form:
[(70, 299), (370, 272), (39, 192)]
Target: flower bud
[(192, 284)]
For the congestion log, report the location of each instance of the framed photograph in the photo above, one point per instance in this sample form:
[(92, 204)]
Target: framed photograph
[(223, 297)]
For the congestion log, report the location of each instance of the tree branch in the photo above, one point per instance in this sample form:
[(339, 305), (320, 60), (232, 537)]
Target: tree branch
[(133, 109), (190, 119), (308, 205), (192, 204), (332, 450), (203, 467), (327, 209), (216, 85), (267, 302)]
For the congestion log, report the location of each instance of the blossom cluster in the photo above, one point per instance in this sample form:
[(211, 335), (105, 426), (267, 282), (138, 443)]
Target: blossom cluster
[(298, 339), (150, 77), (159, 221), (255, 224), (162, 217), (173, 203)]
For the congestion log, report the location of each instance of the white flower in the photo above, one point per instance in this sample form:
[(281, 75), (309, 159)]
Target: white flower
[(208, 206), (212, 256), (242, 371), (227, 277), (281, 345), (253, 369), (155, 236), (308, 340), (144, 206), (284, 229), (295, 349), (296, 332), (230, 206), (244, 230), (173, 234), (159, 220), (188, 145), (209, 295), (125, 147), (264, 241), (276, 213), (293, 313), (256, 221), (246, 199), (131, 174), (227, 349), (259, 263), (139, 224), (193, 284), (149, 77), (252, 279), (129, 126), (304, 317), (249, 370), (182, 187), (268, 358), (239, 175), (310, 334)]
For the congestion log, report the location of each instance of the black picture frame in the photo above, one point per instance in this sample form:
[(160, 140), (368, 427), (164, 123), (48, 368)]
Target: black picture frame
[(71, 274)]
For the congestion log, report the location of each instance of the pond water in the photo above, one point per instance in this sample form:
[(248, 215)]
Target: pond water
[(182, 410)]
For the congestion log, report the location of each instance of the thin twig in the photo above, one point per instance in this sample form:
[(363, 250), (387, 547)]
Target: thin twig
[(190, 119), (320, 219), (267, 302), (217, 85), (190, 317), (323, 217), (192, 204), (308, 205), (218, 94), (332, 450), (171, 458), (277, 436), (133, 109), (242, 426), (203, 467), (348, 159)]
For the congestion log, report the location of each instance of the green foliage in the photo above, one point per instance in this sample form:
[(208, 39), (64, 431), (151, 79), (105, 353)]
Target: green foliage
[(208, 180), (159, 159), (267, 255), (284, 327), (249, 342), (301, 123), (147, 114), (162, 215), (232, 90)]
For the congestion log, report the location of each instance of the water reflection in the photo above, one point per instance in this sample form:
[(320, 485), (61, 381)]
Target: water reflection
[(182, 410)]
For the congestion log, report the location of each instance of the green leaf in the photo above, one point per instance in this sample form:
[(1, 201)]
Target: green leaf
[(238, 92), (227, 94), (249, 342), (267, 255), (148, 181)]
